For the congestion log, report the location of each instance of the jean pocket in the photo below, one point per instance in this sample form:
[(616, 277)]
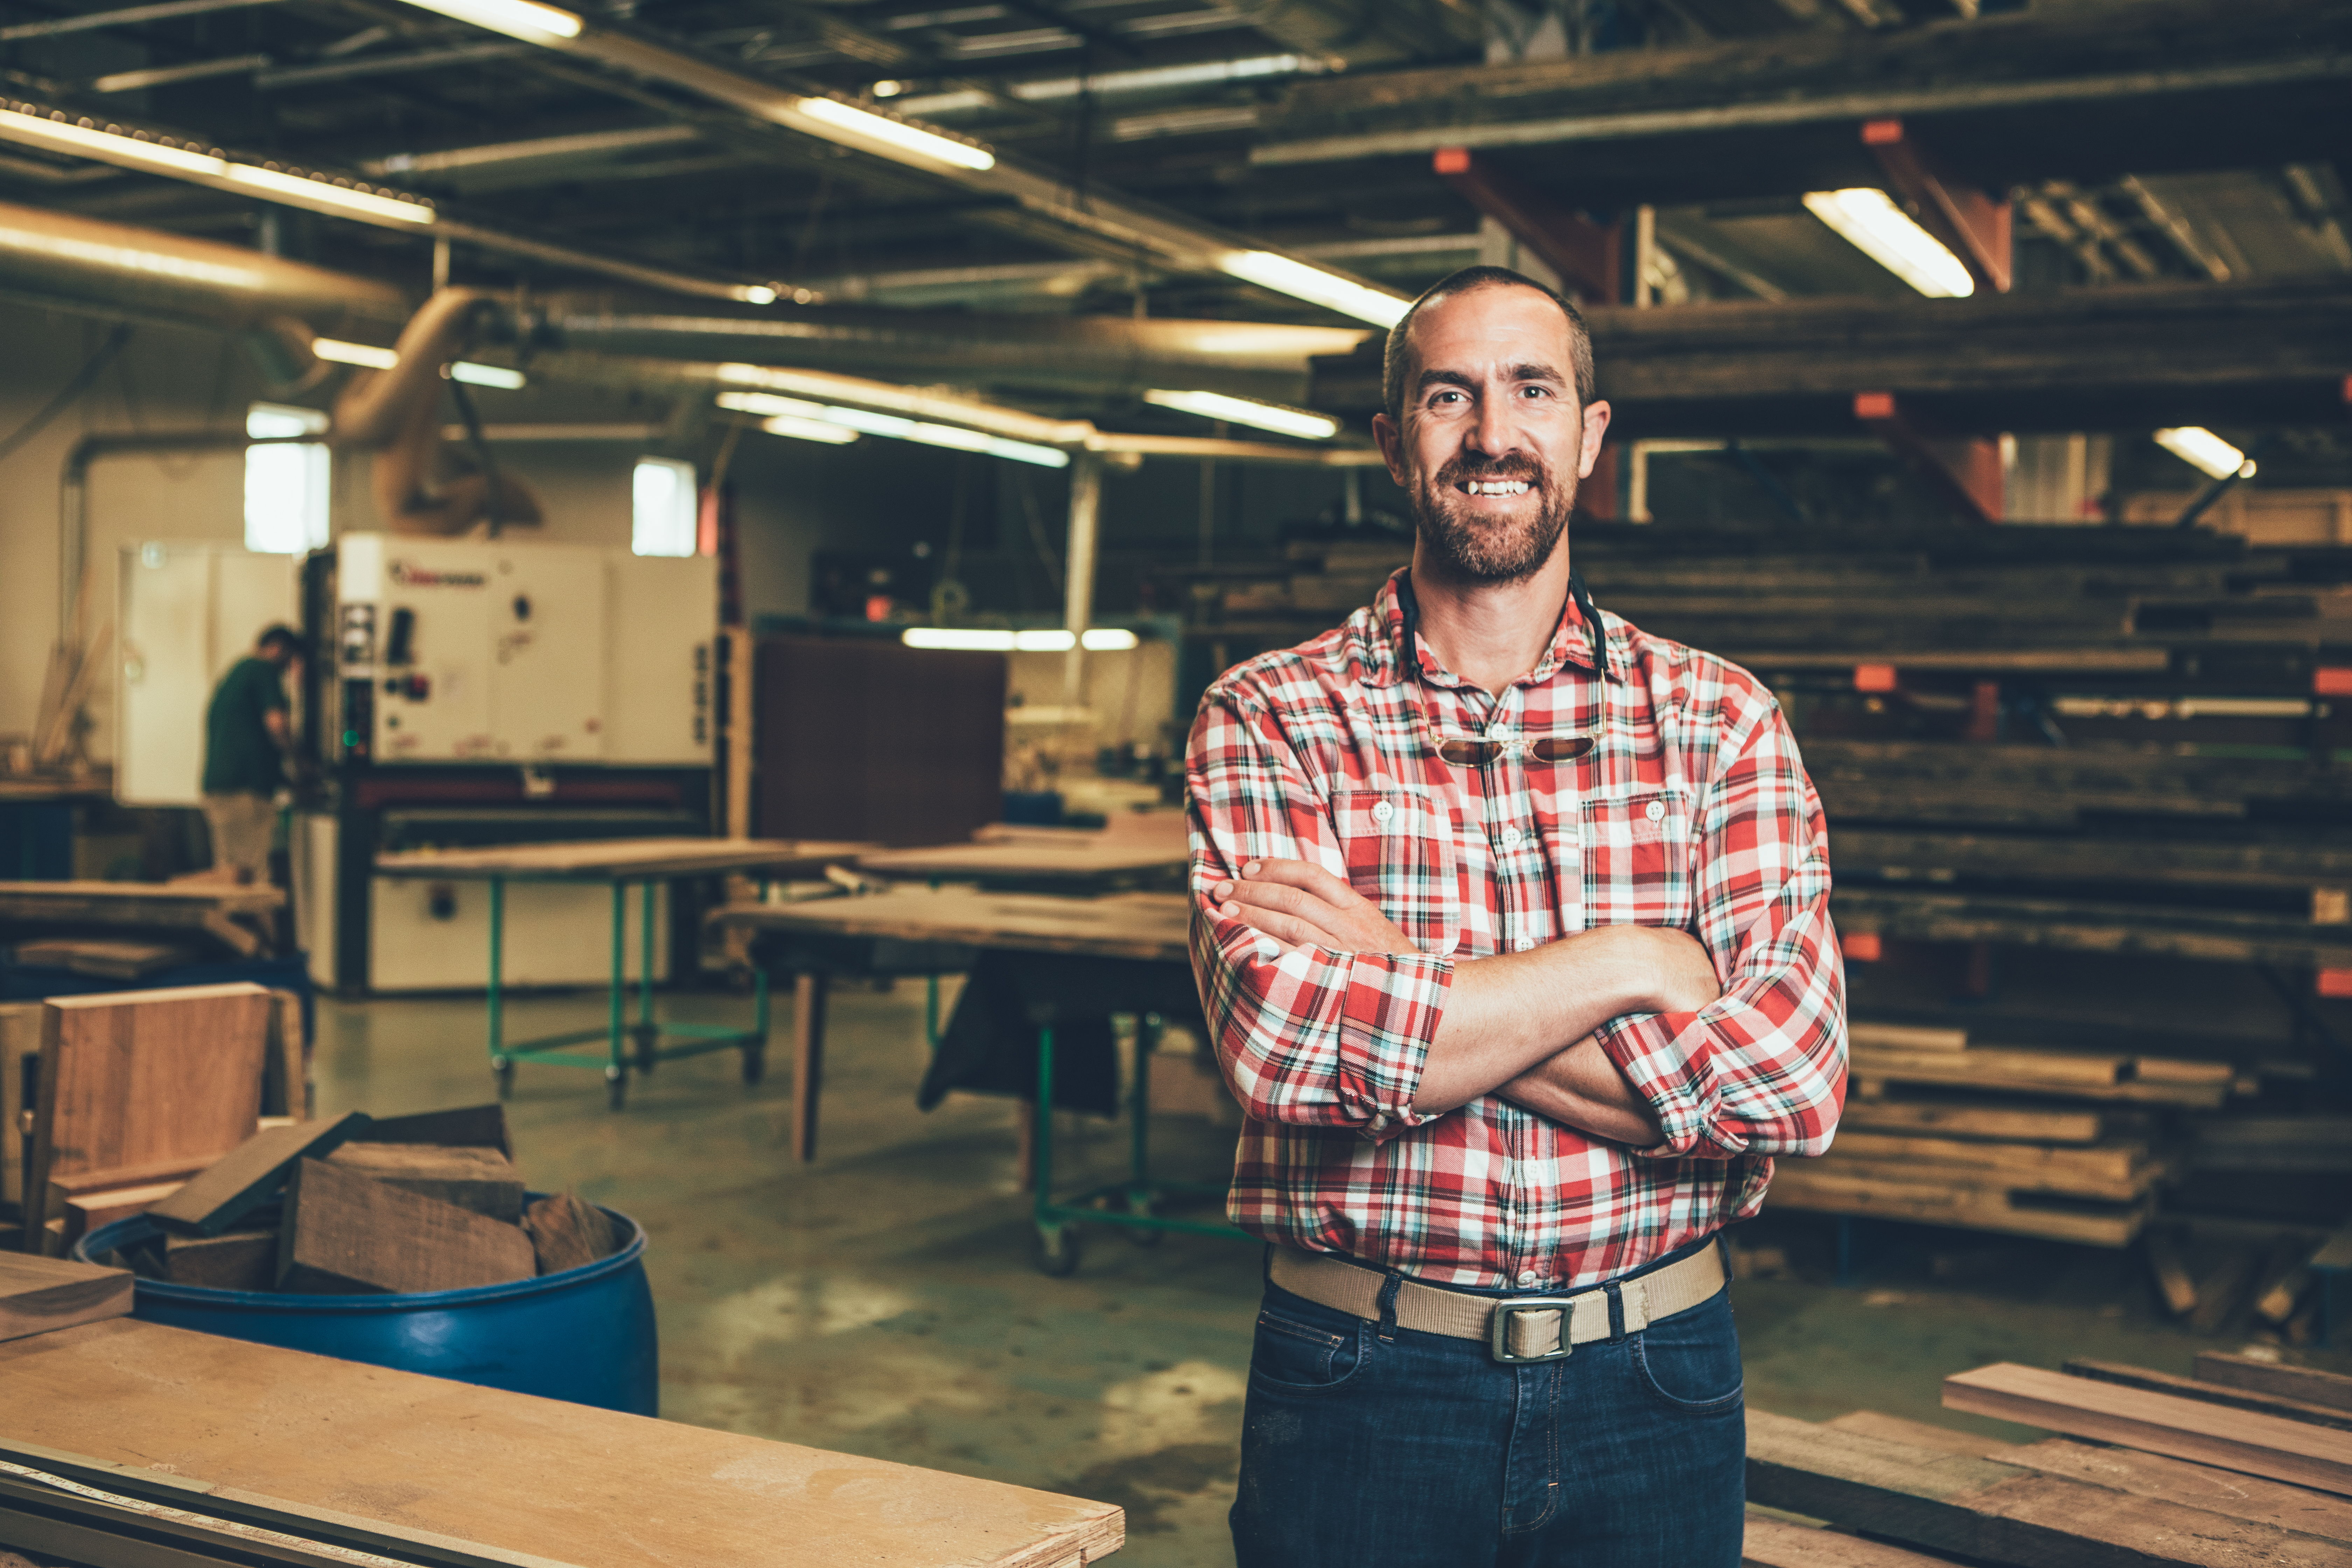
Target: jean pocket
[(1690, 1362), (1294, 1357)]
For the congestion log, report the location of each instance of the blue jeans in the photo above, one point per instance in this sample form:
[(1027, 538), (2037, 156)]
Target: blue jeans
[(1368, 1446)]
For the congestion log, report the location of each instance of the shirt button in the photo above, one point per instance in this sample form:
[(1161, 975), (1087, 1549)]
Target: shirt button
[(1655, 810), (1526, 1277), (1382, 811), (1524, 945), (1511, 836)]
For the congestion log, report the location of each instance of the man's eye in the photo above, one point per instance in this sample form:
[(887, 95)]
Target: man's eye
[(1535, 392)]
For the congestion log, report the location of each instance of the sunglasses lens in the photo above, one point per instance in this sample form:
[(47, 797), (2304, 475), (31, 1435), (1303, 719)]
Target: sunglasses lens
[(1560, 748), (1466, 753)]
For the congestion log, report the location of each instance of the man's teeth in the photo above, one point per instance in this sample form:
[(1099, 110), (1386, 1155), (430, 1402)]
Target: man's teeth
[(1497, 486)]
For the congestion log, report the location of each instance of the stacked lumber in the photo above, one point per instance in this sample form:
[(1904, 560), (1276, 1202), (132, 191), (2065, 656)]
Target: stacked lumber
[(355, 1206), (2273, 1289)]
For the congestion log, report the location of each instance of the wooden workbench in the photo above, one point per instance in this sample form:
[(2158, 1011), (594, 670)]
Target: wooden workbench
[(1060, 860), (379, 1459), (1146, 926), (216, 908), (616, 859)]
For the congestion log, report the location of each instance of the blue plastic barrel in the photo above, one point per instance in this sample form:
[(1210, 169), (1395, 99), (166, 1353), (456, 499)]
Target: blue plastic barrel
[(585, 1335)]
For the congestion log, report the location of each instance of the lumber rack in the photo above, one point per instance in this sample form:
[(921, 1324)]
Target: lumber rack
[(639, 1044), (1134, 1204)]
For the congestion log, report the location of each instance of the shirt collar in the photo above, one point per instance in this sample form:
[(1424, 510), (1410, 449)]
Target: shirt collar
[(1398, 614)]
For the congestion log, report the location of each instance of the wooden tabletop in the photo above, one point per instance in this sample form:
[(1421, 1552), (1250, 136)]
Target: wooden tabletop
[(115, 902), (1129, 847), (520, 1480), (1125, 925), (606, 860)]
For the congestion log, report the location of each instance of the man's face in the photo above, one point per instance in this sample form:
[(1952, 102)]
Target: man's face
[(1492, 441)]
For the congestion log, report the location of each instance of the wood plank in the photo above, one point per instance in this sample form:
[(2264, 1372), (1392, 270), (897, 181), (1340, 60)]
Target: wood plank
[(2219, 1293), (2175, 1287), (134, 1076), (236, 1185), (1777, 1543), (2191, 1429), (466, 1127), (567, 1232), (2083, 926), (417, 1456), (343, 1234), (1991, 1181), (1994, 1512), (1904, 1037), (2308, 1385), (2118, 1162), (1918, 1434), (106, 959), (64, 1187), (603, 859), (286, 1067), (238, 1260), (1154, 926), (1981, 1064), (87, 1212), (2087, 858), (38, 1295), (1804, 1184), (2124, 1376), (1974, 1120), (480, 1180), (2298, 1509), (20, 1037)]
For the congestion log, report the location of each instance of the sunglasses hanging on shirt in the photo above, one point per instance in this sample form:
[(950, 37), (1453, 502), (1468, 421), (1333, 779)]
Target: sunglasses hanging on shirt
[(1469, 752)]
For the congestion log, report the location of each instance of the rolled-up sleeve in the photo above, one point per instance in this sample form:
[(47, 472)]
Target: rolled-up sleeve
[(1307, 1036), (1762, 1069)]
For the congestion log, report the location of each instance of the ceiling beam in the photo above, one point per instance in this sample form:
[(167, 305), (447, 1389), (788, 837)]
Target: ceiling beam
[(1972, 225), (1588, 255)]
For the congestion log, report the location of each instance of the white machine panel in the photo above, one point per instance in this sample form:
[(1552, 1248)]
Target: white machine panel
[(436, 936), (662, 613), (188, 612), (548, 695)]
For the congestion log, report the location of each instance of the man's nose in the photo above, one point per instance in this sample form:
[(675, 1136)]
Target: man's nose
[(1493, 433)]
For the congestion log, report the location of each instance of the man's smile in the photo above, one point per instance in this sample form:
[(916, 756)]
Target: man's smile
[(1494, 487)]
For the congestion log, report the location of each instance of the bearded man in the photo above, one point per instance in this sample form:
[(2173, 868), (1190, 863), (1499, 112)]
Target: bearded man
[(1512, 929)]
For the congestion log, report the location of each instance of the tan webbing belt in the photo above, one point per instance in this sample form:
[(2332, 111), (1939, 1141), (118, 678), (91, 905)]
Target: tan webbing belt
[(1518, 1328)]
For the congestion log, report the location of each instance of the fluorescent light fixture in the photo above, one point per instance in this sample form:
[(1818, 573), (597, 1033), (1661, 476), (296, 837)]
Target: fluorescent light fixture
[(888, 89), (139, 151), (1159, 78), (991, 640), (2206, 452), (1314, 285), (896, 133), (801, 429), (525, 19), (1247, 411), (496, 375), (757, 294), (1868, 219), (664, 508), (915, 402), (365, 355), (768, 405)]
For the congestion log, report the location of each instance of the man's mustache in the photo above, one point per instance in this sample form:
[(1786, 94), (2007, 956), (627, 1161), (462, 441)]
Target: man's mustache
[(1458, 469)]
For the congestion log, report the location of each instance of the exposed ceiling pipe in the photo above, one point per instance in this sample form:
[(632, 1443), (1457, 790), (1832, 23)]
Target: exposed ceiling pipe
[(1372, 32)]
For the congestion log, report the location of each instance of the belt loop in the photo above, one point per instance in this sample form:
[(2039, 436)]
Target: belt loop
[(1389, 1288), (1616, 1313)]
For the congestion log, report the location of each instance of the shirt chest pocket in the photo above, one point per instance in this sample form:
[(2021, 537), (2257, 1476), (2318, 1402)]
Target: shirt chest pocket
[(1637, 858), (1400, 850)]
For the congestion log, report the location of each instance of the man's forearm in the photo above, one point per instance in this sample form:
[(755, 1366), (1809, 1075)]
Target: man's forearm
[(1506, 1014), (1582, 1089)]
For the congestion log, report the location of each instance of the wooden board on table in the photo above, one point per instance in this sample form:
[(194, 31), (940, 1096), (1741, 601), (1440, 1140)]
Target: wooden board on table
[(1152, 926), (412, 1456), (107, 959), (605, 859), (2309, 1384), (241, 1181), (2298, 1509), (345, 1234), (2190, 1430), (1993, 1512), (1088, 857), (132, 1077), (214, 908), (2195, 1388), (1777, 1543), (38, 1295), (1981, 1119), (1806, 1185)]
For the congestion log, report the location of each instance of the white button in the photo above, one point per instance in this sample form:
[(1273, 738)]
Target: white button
[(1510, 837), (1526, 1277), (1655, 810), (1382, 811), (1524, 945)]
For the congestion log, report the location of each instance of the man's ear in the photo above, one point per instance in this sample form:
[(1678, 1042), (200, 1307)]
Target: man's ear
[(1596, 425), (1390, 436)]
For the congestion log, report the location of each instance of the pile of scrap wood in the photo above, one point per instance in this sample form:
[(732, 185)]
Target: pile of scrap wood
[(354, 1205), (2230, 1477), (2031, 1164), (2276, 1284)]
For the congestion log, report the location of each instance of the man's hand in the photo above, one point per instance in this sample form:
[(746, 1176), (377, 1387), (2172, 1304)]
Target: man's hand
[(1301, 904), (1581, 1088)]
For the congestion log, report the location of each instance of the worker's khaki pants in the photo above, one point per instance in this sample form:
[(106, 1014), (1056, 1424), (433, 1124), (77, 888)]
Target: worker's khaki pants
[(241, 825)]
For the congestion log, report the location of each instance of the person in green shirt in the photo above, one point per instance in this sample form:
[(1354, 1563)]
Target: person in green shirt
[(247, 733)]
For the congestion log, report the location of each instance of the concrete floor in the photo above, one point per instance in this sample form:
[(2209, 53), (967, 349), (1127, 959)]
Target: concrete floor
[(882, 1302)]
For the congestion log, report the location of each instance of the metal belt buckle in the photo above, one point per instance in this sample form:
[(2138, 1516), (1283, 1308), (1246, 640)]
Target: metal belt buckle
[(1498, 1330)]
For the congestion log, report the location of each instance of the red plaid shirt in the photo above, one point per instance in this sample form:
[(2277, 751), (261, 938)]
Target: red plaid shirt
[(1693, 810)]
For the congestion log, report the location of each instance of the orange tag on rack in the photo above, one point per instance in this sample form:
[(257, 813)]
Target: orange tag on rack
[(1864, 947), (2336, 982), (2331, 680), (1873, 678)]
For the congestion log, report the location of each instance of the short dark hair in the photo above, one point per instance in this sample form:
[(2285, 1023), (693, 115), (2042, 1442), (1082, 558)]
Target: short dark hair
[(294, 641), (1470, 279)]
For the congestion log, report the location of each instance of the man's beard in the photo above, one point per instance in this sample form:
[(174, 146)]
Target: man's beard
[(1497, 551)]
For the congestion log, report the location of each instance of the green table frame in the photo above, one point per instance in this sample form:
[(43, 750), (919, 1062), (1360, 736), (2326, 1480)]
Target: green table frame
[(646, 1036)]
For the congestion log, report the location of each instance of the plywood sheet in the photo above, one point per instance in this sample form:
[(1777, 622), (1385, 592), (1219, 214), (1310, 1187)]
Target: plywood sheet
[(592, 1487)]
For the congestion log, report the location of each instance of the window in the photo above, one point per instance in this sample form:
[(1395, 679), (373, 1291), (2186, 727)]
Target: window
[(284, 486), (665, 507)]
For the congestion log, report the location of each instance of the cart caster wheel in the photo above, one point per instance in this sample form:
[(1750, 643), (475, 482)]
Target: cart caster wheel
[(505, 1071), (1054, 1251), (755, 1065), (616, 1092)]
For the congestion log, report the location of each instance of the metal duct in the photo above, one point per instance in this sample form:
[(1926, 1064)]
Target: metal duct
[(1109, 356), (1372, 32)]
